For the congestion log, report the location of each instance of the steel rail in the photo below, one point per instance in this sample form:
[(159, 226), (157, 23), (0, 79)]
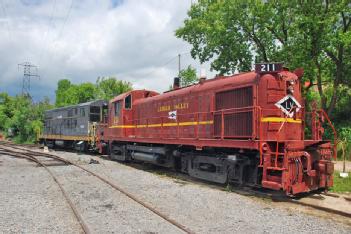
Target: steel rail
[(118, 188), (69, 201), (252, 192)]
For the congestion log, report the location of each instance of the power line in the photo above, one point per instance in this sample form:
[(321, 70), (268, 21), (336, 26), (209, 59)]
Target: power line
[(47, 30), (166, 63), (65, 20), (50, 20), (5, 16), (163, 65), (62, 27)]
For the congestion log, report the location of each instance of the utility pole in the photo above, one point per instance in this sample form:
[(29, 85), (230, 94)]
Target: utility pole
[(179, 65), (180, 79), (27, 74)]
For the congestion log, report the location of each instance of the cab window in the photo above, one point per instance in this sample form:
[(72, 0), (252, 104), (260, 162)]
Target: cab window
[(128, 102), (118, 108), (94, 113)]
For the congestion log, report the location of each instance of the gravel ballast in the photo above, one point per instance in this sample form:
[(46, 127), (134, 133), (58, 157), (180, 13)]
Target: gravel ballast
[(105, 210), (30, 200)]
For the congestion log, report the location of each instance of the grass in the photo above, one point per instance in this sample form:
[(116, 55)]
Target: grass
[(341, 185), (229, 188)]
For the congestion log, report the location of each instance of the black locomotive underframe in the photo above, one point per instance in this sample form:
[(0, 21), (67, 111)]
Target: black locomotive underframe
[(215, 165)]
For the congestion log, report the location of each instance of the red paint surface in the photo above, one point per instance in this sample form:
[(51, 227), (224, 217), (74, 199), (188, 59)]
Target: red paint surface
[(236, 118)]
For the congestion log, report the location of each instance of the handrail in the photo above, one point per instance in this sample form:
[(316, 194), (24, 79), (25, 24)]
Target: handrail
[(225, 112), (334, 131), (198, 118)]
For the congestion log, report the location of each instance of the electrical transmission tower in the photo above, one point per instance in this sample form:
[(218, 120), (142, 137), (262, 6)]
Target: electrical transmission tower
[(27, 74)]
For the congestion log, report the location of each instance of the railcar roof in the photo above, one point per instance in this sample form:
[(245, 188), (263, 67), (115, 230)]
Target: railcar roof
[(215, 83), (78, 105), (123, 95)]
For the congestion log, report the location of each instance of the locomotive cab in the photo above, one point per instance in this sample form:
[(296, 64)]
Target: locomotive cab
[(119, 120), (121, 112)]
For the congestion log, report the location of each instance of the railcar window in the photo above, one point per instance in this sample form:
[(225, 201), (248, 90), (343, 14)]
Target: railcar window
[(95, 113), (82, 112), (75, 111), (128, 102), (105, 110), (67, 124), (117, 108), (70, 113), (94, 109)]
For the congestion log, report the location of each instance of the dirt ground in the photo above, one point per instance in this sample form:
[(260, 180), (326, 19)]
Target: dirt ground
[(338, 166)]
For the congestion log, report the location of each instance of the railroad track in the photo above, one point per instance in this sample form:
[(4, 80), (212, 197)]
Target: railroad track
[(20, 152), (273, 196)]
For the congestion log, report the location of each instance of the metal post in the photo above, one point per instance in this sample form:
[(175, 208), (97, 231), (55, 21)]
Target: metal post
[(179, 65), (180, 79), (27, 74), (222, 125)]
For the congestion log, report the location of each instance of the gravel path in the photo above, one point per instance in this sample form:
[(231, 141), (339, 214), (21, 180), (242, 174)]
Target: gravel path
[(200, 208), (106, 210), (30, 201), (339, 166), (207, 210)]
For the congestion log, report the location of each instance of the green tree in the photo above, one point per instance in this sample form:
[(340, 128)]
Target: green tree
[(85, 92), (71, 94), (109, 87), (61, 92), (5, 109), (315, 35), (104, 88), (188, 76), (22, 117)]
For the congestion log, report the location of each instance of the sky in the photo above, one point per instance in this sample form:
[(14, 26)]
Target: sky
[(81, 40)]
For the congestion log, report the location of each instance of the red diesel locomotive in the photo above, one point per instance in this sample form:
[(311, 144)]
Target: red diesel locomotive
[(247, 128)]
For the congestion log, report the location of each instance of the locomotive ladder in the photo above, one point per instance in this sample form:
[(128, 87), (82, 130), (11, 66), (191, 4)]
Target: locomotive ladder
[(271, 161)]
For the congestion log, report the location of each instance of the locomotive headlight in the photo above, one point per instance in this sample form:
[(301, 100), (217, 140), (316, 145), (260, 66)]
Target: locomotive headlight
[(290, 89)]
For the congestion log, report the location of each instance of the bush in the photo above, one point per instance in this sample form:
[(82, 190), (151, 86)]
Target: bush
[(20, 118), (344, 135)]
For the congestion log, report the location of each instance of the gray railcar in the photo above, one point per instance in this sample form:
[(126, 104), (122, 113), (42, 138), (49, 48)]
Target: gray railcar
[(73, 126)]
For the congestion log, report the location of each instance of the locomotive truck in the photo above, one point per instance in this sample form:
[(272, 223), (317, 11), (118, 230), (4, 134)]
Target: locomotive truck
[(249, 128)]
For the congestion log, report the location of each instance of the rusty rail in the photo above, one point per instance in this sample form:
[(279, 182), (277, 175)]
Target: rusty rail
[(118, 188), (69, 201)]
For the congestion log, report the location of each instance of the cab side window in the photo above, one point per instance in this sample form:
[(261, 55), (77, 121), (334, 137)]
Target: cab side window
[(95, 113), (118, 108), (128, 102)]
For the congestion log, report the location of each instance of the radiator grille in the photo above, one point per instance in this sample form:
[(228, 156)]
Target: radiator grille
[(238, 122), (236, 98)]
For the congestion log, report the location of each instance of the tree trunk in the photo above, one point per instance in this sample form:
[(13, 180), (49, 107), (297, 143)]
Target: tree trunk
[(338, 77), (320, 87)]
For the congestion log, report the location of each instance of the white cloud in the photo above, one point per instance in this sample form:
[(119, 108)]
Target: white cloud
[(132, 41)]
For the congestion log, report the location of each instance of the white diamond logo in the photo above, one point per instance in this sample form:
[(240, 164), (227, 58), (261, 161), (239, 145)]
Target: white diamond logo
[(172, 114), (288, 104)]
